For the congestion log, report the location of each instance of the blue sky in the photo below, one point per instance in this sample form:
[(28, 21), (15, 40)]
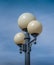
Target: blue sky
[(43, 52)]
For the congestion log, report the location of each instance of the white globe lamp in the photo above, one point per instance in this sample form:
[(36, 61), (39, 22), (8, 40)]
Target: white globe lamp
[(34, 27), (19, 38), (24, 20)]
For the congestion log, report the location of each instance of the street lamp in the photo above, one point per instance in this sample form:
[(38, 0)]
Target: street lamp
[(34, 27), (29, 25), (24, 20)]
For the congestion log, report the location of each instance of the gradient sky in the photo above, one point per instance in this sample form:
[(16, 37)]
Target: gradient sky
[(43, 52)]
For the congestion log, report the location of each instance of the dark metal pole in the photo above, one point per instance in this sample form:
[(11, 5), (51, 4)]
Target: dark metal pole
[(27, 58), (27, 53)]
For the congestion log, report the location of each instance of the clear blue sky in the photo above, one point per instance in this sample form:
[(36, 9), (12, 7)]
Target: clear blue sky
[(43, 52)]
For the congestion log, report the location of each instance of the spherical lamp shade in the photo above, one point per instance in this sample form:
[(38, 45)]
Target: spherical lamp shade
[(34, 27), (19, 38), (24, 19)]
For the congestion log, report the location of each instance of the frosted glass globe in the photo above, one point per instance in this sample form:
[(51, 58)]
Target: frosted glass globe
[(19, 38), (24, 19), (34, 27)]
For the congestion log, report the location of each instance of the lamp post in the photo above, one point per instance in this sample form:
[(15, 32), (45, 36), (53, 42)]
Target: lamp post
[(30, 26)]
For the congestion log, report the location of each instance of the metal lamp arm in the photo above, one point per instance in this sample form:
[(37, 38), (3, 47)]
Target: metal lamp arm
[(31, 41)]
